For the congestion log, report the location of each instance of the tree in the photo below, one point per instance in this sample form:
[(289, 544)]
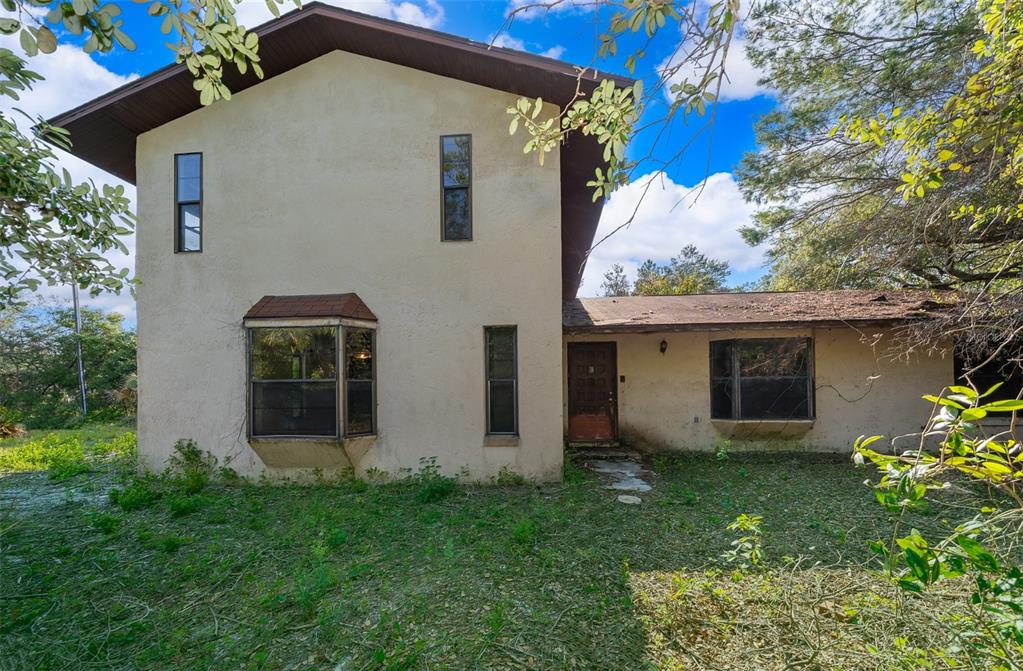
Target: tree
[(688, 273), (891, 159), (38, 373), (52, 229), (616, 283)]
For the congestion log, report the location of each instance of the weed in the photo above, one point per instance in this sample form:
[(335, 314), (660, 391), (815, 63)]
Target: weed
[(192, 467), (721, 453), (508, 478), (105, 523), (335, 538), (431, 485), (62, 455), (170, 543), (141, 492), (525, 532), (572, 474), (746, 549), (181, 504)]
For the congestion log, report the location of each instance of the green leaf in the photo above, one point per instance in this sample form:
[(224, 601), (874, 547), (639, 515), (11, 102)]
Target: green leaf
[(28, 42), (46, 40), (1009, 405), (9, 26)]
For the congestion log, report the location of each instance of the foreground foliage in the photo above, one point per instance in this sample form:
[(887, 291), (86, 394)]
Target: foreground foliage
[(146, 574)]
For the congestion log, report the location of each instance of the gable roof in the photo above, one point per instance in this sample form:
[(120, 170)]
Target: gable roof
[(104, 130), (707, 312), (345, 306)]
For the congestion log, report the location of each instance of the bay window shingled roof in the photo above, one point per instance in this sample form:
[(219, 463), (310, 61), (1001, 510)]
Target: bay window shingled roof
[(104, 131), (343, 306), (696, 312)]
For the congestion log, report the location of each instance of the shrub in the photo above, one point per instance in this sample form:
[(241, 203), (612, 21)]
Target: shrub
[(184, 504), (10, 423), (432, 486), (525, 532)]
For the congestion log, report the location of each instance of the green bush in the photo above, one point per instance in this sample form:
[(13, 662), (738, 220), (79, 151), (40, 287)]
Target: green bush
[(184, 504), (192, 467)]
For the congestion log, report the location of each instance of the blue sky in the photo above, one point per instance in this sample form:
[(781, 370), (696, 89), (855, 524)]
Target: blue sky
[(668, 217)]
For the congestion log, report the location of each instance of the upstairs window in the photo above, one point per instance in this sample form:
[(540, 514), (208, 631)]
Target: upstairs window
[(188, 202), (763, 378), (502, 380), (456, 187)]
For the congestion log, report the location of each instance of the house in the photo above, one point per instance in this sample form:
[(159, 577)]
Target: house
[(353, 265)]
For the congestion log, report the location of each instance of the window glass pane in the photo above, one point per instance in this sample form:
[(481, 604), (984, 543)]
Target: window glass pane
[(294, 353), (456, 214), (358, 354), (455, 160), (294, 409), (771, 358), (360, 407), (502, 407), (189, 174), (721, 398), (190, 235), (774, 398), (500, 353), (721, 358)]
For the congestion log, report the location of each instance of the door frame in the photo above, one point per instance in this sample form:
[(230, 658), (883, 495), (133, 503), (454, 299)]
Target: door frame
[(614, 389)]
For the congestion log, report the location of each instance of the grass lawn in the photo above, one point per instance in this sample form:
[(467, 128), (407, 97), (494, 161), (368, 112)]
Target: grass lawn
[(419, 575)]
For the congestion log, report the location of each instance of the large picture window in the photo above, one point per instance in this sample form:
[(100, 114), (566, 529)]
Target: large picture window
[(456, 187), (294, 381), (188, 202), (502, 380), (763, 378)]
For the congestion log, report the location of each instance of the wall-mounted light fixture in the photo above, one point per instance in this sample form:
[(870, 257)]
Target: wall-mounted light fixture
[(664, 346)]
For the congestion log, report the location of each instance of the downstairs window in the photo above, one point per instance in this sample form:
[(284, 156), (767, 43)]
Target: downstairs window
[(295, 389), (761, 379)]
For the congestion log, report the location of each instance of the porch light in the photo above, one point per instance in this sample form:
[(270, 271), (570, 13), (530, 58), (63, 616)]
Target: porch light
[(664, 346)]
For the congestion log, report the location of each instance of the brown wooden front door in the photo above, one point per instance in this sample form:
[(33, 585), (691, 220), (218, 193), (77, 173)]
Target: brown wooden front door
[(592, 391)]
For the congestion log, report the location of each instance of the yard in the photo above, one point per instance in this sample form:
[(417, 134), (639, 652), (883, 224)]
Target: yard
[(427, 575)]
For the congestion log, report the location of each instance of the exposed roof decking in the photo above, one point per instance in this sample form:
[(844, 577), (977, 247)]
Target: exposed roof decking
[(701, 312), (104, 130)]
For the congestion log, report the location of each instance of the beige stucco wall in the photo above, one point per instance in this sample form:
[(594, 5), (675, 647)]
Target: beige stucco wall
[(325, 180), (664, 403)]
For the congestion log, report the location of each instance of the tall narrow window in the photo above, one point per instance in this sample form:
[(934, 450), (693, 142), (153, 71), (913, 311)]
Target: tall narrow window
[(762, 378), (188, 202), (502, 380), (456, 187), (294, 381), (359, 375)]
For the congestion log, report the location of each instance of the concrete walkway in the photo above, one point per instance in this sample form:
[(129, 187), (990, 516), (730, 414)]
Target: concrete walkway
[(621, 470)]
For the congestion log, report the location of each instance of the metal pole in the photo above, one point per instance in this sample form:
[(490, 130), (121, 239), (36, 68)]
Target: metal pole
[(78, 347)]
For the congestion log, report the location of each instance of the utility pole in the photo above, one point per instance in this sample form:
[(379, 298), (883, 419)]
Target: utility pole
[(78, 347)]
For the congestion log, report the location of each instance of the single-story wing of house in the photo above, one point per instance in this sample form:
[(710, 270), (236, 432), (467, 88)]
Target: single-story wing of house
[(351, 265)]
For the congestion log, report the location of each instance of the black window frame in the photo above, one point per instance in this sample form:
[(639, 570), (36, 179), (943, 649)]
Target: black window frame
[(487, 331), (444, 189), (1000, 368), (340, 381), (736, 414), (178, 203)]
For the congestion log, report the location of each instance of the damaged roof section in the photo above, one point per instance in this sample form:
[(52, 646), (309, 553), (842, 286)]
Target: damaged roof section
[(703, 312), (343, 306)]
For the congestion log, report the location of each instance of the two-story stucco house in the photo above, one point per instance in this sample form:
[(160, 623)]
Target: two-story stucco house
[(352, 264)]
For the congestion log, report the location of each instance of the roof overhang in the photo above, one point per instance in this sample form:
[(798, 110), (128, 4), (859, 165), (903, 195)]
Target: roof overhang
[(104, 130)]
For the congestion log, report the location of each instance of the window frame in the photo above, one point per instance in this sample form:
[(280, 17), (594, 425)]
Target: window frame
[(340, 379), (514, 380), (342, 337), (736, 379), (444, 189), (178, 240)]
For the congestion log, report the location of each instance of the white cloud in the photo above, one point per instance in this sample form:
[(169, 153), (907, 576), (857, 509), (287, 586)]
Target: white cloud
[(506, 41), (536, 9), (668, 217), (425, 13), (740, 83), (72, 77)]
